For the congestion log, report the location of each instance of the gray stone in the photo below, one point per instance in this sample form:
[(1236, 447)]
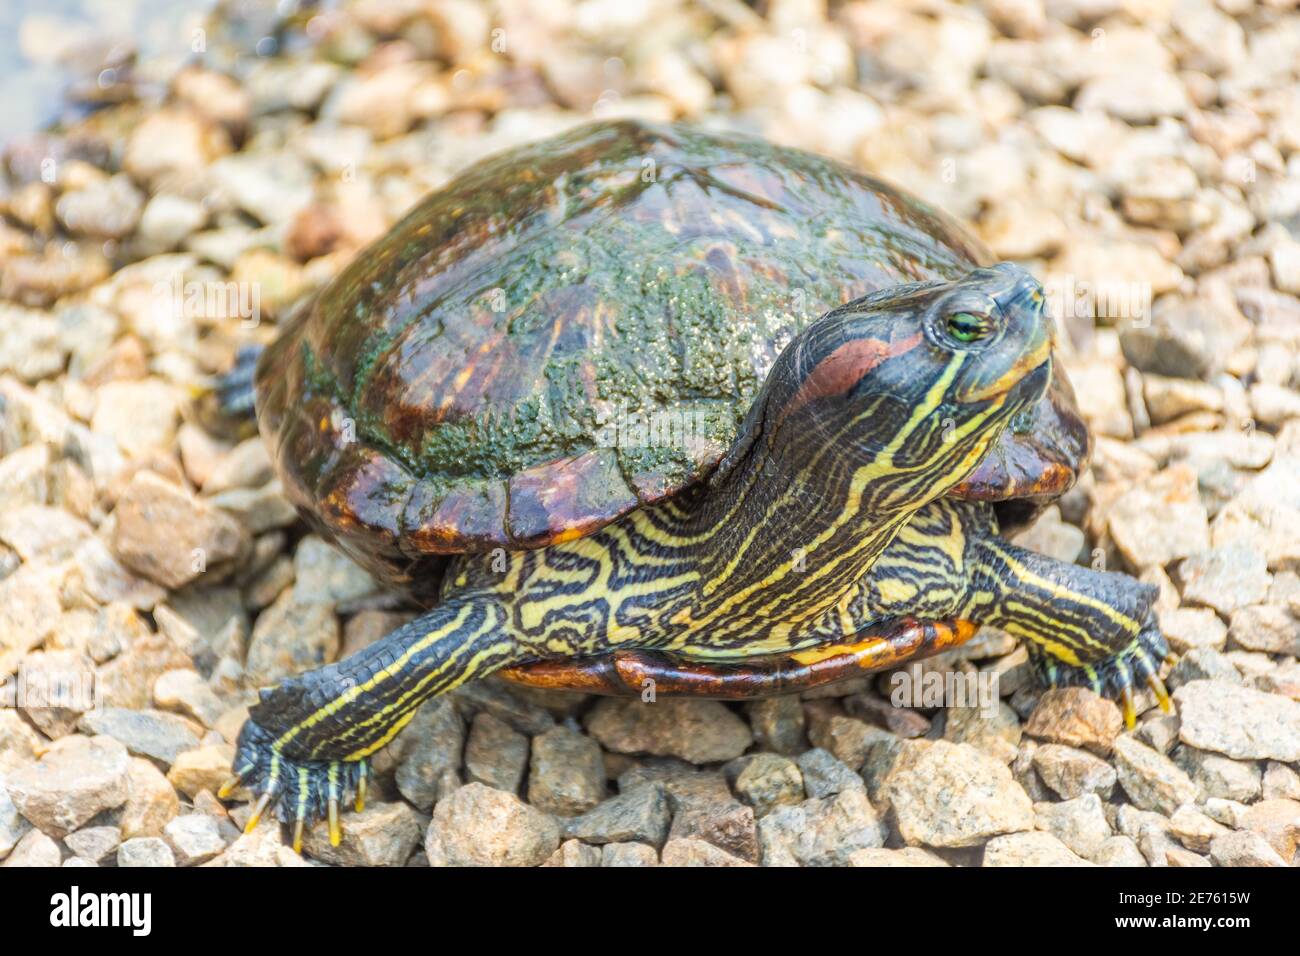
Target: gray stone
[(479, 826), (821, 832), (1242, 723), (778, 724), (688, 852), (1151, 780), (428, 753), (496, 754), (953, 795), (290, 638), (34, 849), (1119, 851), (698, 731), (824, 776), (1226, 578), (1030, 849), (1194, 829), (567, 774), (769, 781), (196, 838), (628, 853), (383, 834), (146, 733), (95, 844), (1218, 776), (167, 535), (145, 851), (1079, 823), (640, 814), (1243, 848), (77, 778), (574, 853)]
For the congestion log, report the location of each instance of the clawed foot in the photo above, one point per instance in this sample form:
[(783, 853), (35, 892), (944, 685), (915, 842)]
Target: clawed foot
[(1115, 677), (297, 791)]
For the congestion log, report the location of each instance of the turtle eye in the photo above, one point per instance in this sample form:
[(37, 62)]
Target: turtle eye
[(967, 327)]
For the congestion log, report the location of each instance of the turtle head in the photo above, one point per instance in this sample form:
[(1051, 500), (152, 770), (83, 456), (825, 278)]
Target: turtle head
[(908, 387)]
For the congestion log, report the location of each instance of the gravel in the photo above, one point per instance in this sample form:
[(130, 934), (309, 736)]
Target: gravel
[(165, 562)]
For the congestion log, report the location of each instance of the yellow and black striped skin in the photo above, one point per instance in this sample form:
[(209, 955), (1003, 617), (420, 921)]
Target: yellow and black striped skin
[(826, 522)]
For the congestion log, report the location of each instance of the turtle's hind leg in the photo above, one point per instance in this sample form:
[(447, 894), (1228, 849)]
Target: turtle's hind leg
[(1084, 628), (305, 746)]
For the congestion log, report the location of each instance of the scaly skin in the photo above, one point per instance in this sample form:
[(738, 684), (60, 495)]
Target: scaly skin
[(826, 522)]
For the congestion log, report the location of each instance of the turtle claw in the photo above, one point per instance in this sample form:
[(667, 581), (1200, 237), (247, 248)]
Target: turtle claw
[(296, 791), (1162, 693), (1126, 705), (258, 809), (336, 831)]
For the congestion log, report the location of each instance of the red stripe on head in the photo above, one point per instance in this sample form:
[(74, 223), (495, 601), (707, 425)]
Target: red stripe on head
[(843, 368)]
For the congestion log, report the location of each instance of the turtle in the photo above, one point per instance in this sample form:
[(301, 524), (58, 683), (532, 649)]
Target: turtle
[(655, 409)]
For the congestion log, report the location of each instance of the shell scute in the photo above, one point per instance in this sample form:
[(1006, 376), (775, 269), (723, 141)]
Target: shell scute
[(468, 363)]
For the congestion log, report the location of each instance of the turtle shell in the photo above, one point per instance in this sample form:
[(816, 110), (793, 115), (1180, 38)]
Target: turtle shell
[(575, 328)]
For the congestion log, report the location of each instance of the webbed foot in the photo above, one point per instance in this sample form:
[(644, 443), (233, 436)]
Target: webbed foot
[(298, 792), (1137, 664)]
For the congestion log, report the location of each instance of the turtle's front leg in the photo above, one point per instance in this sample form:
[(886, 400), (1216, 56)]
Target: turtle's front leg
[(1086, 628), (306, 743)]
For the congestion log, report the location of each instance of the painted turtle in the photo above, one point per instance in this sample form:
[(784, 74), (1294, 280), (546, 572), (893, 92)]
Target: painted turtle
[(650, 406)]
